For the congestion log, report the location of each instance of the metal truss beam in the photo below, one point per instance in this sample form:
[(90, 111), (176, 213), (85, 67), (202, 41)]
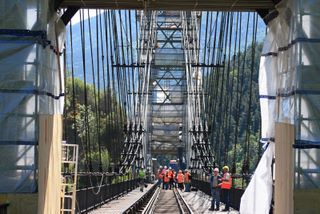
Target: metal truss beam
[(214, 5), (68, 14)]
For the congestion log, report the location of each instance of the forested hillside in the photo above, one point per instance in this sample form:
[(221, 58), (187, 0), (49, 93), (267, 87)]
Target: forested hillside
[(94, 118), (235, 109)]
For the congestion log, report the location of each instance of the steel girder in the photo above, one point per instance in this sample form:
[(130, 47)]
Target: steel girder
[(168, 87), (218, 5)]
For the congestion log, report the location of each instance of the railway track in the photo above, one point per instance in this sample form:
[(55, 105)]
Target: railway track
[(167, 201)]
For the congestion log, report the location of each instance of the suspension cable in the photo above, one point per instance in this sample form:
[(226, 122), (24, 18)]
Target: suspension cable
[(246, 162)]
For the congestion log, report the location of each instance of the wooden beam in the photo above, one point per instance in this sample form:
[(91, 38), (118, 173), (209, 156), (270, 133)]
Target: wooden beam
[(49, 184), (284, 168)]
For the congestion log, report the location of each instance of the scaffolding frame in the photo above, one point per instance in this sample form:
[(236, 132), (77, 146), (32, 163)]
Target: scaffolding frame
[(69, 176)]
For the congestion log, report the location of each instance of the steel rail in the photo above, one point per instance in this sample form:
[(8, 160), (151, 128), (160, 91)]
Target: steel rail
[(151, 204), (183, 205), (140, 203)]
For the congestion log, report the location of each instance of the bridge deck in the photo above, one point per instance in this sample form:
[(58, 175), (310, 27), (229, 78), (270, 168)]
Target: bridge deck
[(201, 202), (197, 200), (121, 204)]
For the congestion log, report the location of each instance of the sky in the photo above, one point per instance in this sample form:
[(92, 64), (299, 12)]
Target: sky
[(76, 18)]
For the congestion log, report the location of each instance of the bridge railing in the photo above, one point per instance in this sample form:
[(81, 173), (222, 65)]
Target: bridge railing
[(235, 194), (93, 197)]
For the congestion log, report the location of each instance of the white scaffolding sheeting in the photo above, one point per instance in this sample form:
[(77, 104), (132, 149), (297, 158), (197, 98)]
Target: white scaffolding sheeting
[(267, 88), (289, 87), (31, 83), (289, 71), (258, 195)]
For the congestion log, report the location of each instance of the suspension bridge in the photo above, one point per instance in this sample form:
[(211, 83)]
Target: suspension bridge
[(93, 92)]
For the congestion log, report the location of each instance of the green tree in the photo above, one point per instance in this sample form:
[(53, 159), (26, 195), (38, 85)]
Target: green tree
[(229, 119), (91, 121)]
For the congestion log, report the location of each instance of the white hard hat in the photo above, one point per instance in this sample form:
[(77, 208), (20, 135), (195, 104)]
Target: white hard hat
[(216, 170), (165, 167)]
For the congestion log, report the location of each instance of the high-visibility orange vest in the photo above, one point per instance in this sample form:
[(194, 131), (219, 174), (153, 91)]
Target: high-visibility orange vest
[(166, 178), (187, 177), (170, 174), (226, 184), (160, 175), (180, 178), (163, 171)]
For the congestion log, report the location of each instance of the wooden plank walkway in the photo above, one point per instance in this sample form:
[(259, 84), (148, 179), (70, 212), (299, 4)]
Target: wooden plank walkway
[(123, 203), (201, 202)]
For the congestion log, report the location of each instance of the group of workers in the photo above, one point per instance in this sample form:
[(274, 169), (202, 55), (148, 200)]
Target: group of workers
[(220, 185), (168, 178)]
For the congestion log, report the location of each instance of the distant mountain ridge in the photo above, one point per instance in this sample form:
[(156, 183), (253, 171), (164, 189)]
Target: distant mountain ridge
[(77, 45)]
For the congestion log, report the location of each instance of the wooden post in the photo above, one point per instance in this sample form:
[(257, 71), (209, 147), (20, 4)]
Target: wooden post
[(284, 168), (49, 184)]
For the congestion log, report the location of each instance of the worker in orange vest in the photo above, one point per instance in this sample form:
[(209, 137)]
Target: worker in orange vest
[(180, 179), (164, 170), (170, 175), (166, 180), (187, 180), (163, 173), (226, 183)]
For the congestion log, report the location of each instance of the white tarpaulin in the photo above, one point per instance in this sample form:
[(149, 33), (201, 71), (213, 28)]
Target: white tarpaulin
[(31, 84), (268, 88), (257, 197), (289, 87)]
